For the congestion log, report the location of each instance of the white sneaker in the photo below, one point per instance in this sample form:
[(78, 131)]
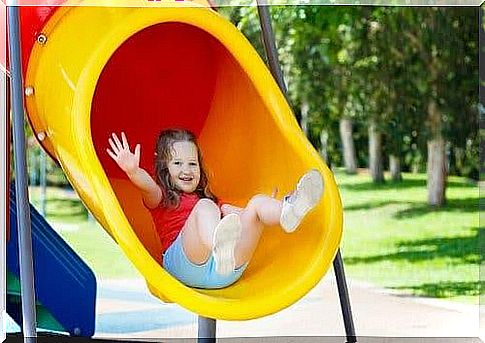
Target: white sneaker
[(226, 235), (308, 192)]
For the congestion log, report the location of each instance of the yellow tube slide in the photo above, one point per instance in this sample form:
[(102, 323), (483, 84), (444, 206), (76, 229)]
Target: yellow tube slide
[(140, 70)]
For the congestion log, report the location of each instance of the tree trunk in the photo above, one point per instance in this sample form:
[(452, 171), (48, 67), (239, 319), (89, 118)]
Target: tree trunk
[(324, 147), (375, 154), (436, 164), (350, 159), (304, 117), (395, 168)]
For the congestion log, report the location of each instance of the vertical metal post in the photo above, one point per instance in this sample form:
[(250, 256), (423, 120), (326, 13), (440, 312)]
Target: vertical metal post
[(270, 45), (21, 179), (272, 54), (338, 267), (4, 195), (207, 330)]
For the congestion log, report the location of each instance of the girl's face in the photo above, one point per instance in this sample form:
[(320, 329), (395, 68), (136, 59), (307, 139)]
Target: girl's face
[(184, 167)]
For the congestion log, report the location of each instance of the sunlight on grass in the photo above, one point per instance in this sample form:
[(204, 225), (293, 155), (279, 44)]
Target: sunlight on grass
[(100, 252), (393, 239), (68, 216)]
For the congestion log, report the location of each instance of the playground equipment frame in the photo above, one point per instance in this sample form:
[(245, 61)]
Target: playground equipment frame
[(3, 209), (24, 223), (207, 326)]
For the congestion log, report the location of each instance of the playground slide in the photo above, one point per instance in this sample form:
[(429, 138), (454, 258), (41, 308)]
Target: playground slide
[(65, 286), (177, 65)]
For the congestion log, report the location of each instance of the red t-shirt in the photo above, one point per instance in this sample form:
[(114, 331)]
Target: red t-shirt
[(170, 221)]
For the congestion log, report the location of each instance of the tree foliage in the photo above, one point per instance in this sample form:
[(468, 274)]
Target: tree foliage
[(383, 64)]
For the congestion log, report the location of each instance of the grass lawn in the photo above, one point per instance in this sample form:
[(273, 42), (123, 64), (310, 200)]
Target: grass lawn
[(66, 213), (391, 237)]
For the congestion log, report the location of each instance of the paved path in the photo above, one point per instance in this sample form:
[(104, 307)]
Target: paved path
[(126, 310)]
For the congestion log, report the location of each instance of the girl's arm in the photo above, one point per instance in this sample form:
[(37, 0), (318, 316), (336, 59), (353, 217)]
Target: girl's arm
[(151, 192), (129, 162)]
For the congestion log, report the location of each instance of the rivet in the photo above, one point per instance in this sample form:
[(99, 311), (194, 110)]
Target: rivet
[(29, 91), (42, 38), (41, 136)]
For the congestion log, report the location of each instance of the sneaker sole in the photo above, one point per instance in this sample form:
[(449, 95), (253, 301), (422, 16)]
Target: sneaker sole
[(226, 235), (309, 190)]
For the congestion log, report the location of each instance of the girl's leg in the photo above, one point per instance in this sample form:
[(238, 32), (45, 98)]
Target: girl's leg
[(228, 209), (198, 231), (263, 210), (260, 211)]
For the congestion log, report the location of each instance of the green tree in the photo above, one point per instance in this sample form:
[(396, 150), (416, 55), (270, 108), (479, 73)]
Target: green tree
[(444, 44)]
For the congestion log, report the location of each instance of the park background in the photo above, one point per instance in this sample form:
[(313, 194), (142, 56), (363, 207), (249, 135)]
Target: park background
[(389, 97)]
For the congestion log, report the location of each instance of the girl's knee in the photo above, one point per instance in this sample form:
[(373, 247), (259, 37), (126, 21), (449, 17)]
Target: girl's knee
[(207, 206), (256, 200)]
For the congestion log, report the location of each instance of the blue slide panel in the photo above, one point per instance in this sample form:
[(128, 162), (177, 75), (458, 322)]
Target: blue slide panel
[(64, 284)]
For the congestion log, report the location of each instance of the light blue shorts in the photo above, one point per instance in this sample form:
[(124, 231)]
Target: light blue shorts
[(193, 275)]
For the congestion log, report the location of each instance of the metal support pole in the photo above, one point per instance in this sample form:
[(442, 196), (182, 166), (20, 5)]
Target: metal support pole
[(338, 267), (4, 189), (207, 330), (270, 45), (21, 180), (272, 54)]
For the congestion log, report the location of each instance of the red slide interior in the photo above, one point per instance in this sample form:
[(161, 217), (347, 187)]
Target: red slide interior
[(163, 76)]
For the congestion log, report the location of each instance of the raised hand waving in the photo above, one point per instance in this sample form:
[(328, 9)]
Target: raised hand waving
[(120, 152)]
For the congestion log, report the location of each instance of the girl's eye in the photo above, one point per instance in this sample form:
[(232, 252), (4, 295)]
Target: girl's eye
[(177, 163), (193, 164)]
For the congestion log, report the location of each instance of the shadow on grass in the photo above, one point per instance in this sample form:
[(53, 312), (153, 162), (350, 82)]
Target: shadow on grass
[(445, 289), (392, 185), (462, 249), (62, 208), (464, 205), (372, 205), (416, 209)]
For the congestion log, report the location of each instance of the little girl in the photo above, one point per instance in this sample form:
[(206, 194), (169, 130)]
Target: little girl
[(205, 244)]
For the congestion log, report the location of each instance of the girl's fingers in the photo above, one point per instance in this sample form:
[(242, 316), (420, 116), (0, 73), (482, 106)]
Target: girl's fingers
[(125, 141), (113, 156), (137, 151), (113, 146), (117, 141)]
